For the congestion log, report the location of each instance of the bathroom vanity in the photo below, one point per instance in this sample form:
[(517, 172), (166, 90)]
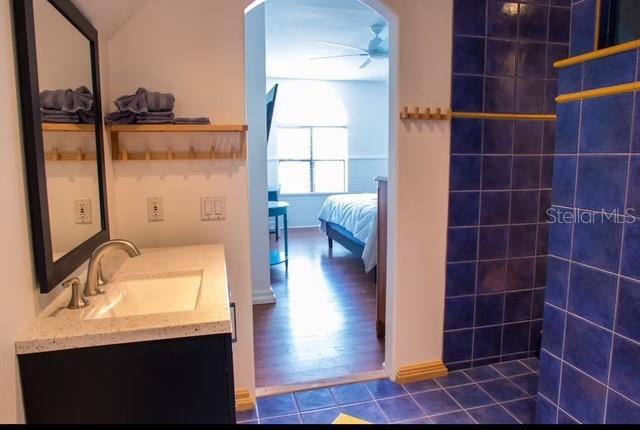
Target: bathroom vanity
[(155, 348)]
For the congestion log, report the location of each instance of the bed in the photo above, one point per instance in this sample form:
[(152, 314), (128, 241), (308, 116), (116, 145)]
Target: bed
[(352, 221)]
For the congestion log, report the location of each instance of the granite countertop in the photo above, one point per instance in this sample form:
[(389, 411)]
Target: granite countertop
[(58, 328)]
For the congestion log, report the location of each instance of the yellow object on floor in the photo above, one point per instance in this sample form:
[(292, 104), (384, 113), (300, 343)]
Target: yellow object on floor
[(348, 419)]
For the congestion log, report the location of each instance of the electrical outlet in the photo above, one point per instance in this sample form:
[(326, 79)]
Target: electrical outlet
[(212, 209), (82, 211), (155, 209)]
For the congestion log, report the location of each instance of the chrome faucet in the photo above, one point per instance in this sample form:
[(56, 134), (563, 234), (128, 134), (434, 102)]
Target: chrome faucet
[(94, 275)]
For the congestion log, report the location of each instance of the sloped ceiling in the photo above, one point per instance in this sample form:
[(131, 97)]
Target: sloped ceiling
[(108, 15)]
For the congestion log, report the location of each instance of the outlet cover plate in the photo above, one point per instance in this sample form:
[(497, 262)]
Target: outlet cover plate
[(155, 209), (82, 211)]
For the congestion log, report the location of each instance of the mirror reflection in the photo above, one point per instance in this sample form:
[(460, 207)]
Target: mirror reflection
[(69, 123)]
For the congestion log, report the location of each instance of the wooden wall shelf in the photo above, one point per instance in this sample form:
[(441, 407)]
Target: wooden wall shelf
[(121, 154), (68, 127)]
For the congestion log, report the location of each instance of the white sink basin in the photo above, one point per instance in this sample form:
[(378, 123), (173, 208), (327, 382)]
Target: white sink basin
[(176, 293)]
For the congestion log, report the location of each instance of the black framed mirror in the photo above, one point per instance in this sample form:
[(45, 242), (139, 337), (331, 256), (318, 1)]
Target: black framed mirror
[(619, 22), (59, 78)]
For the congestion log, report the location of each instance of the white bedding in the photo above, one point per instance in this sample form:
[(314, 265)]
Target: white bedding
[(358, 214)]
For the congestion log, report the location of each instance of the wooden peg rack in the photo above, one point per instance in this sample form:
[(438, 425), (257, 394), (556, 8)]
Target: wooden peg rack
[(428, 114), (122, 154), (79, 155), (439, 114)]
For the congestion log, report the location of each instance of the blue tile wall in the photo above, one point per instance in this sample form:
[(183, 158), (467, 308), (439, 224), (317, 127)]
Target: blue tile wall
[(501, 176), (590, 359), (583, 19)]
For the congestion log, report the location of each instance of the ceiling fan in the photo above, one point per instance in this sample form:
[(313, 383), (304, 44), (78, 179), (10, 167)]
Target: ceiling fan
[(376, 51)]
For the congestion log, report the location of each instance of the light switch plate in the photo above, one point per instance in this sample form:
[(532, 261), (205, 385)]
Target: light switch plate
[(212, 208), (206, 209), (155, 209), (82, 211)]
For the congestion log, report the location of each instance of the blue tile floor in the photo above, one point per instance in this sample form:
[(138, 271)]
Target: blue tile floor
[(501, 393)]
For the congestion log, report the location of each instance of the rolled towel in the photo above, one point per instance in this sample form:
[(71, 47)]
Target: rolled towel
[(120, 118), (69, 100), (158, 102), (135, 103), (144, 101), (194, 121), (155, 118)]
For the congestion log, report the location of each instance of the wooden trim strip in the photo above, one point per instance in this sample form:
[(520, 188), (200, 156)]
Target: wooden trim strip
[(600, 53), (421, 372), (516, 116), (599, 92), (244, 400), (447, 115)]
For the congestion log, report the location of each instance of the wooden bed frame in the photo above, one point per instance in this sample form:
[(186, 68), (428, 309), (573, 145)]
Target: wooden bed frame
[(344, 238)]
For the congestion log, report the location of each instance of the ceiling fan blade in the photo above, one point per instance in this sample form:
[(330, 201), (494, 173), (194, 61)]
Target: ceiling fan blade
[(342, 45), (338, 56), (366, 63)]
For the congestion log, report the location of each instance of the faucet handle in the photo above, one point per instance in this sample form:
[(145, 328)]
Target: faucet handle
[(78, 300)]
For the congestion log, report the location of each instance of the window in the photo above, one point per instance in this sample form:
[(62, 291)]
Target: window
[(619, 22), (312, 159)]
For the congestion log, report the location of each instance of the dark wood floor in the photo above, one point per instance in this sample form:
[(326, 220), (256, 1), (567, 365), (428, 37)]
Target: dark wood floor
[(324, 322)]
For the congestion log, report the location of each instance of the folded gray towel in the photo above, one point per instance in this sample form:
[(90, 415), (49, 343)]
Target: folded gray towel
[(155, 118), (144, 101), (120, 118), (61, 118), (67, 100), (193, 121), (87, 117)]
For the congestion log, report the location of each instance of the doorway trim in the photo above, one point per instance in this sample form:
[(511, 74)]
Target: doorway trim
[(383, 10)]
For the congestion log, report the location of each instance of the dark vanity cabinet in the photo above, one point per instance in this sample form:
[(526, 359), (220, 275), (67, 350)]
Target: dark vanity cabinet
[(184, 380)]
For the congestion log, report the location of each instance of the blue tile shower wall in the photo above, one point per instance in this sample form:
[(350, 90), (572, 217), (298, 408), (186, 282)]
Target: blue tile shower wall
[(501, 172), (590, 359)]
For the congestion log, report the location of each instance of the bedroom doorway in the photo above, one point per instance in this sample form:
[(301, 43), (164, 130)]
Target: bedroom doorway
[(327, 109)]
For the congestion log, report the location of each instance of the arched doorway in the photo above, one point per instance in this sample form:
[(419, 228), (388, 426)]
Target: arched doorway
[(256, 74)]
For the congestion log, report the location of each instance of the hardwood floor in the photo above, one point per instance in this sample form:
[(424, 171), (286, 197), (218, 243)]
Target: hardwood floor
[(324, 322)]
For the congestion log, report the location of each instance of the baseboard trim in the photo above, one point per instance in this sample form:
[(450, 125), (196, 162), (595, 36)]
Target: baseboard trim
[(244, 400), (264, 297), (421, 372)]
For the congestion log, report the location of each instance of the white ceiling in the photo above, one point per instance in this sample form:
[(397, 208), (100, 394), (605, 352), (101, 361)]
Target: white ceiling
[(293, 29), (295, 26), (108, 15)]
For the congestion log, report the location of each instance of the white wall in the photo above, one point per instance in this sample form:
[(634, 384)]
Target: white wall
[(255, 82), (20, 299), (419, 184), (17, 305), (362, 106), (64, 56), (194, 49)]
